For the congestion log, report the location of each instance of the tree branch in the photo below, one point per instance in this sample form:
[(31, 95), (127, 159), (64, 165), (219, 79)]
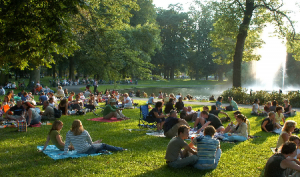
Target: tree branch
[(240, 4)]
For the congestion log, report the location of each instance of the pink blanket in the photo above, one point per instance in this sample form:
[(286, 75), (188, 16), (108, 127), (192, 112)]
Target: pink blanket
[(100, 119)]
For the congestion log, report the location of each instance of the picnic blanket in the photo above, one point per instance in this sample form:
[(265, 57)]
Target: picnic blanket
[(100, 119), (157, 134), (53, 152)]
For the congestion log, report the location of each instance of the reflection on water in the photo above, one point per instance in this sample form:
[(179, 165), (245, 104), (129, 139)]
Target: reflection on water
[(198, 93)]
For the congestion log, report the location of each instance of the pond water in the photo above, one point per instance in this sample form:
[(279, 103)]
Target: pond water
[(196, 92)]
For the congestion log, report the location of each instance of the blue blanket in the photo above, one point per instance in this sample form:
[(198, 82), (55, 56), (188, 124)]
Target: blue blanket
[(53, 152)]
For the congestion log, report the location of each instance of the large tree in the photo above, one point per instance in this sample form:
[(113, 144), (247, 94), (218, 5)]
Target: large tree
[(238, 27)]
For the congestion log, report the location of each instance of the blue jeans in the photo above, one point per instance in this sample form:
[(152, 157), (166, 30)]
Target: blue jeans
[(96, 148), (234, 137), (179, 163), (201, 166), (34, 121)]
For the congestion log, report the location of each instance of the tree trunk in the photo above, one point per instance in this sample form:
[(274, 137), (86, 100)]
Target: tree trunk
[(71, 68), (220, 74), (238, 55), (60, 72), (172, 74), (34, 77), (53, 71), (3, 78)]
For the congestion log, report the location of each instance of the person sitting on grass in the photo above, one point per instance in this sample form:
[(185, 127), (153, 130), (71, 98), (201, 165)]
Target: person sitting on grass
[(219, 103), (77, 104), (188, 114), (60, 93), (175, 156), (51, 102), (237, 132), (267, 107), (279, 162), (54, 136), (269, 124), (208, 150), (179, 105), (287, 108), (210, 119), (63, 106), (156, 115), (82, 141), (172, 124), (31, 115), (255, 109), (278, 115), (288, 128), (296, 140), (216, 112), (274, 105), (19, 112), (70, 98), (42, 98), (111, 111), (48, 114), (151, 99), (169, 106), (127, 103), (233, 105)]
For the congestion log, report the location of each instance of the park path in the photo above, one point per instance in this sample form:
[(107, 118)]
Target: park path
[(76, 89)]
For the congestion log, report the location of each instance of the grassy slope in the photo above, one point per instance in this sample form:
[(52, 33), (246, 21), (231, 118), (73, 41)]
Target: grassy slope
[(145, 155)]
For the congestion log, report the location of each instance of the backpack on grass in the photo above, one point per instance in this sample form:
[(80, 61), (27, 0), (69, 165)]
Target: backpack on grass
[(57, 113)]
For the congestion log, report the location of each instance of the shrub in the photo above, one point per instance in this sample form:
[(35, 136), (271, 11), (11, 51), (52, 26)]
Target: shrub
[(239, 94)]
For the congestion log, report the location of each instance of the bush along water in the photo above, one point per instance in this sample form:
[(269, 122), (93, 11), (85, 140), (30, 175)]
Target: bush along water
[(241, 96)]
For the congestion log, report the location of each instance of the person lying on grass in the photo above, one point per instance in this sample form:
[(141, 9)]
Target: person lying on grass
[(111, 111), (82, 141), (177, 158), (269, 124), (280, 162), (216, 111), (288, 128), (54, 136)]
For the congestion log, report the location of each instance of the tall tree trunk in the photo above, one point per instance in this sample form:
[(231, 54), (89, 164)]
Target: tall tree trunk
[(60, 72), (172, 74), (71, 68), (53, 70), (220, 74), (3, 78), (240, 43), (34, 77)]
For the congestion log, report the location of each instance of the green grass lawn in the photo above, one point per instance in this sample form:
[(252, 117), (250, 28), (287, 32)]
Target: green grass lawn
[(145, 155)]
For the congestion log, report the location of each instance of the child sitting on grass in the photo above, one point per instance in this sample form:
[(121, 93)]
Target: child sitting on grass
[(54, 136)]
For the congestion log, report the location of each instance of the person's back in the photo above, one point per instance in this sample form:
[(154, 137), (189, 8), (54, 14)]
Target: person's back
[(215, 121), (273, 168), (174, 147), (80, 142), (169, 107), (53, 134), (169, 123), (48, 113), (43, 98)]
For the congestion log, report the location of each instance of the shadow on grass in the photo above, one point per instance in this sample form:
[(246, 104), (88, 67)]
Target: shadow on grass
[(165, 170), (262, 137)]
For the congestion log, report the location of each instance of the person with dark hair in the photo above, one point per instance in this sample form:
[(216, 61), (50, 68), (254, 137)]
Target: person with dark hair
[(208, 150), (156, 115), (219, 103), (188, 114), (279, 162), (42, 98), (237, 132), (278, 115), (233, 105), (179, 105), (111, 111), (269, 124), (172, 124), (175, 156), (274, 105), (216, 111), (19, 112), (48, 114), (169, 106), (210, 119), (31, 115), (287, 108), (255, 108), (63, 106), (2, 91)]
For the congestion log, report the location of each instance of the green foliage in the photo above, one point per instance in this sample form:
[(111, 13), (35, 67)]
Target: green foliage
[(239, 94)]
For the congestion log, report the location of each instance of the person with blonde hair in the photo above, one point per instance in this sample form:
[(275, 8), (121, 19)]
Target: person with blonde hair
[(82, 141), (269, 124), (288, 128), (127, 103), (60, 92)]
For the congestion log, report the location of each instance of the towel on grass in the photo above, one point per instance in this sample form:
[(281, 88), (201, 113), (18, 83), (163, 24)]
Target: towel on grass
[(53, 152), (100, 119)]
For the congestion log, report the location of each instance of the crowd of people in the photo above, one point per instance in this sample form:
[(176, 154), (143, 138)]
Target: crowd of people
[(203, 152)]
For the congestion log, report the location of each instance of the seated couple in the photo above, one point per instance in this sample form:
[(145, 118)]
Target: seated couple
[(111, 111), (269, 124), (80, 139), (206, 157)]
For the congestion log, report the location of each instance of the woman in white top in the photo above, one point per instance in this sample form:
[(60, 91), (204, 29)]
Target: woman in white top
[(127, 101), (288, 128), (60, 92), (82, 141), (255, 109)]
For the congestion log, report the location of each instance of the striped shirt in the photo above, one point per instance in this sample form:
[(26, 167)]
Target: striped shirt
[(206, 147), (80, 142)]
